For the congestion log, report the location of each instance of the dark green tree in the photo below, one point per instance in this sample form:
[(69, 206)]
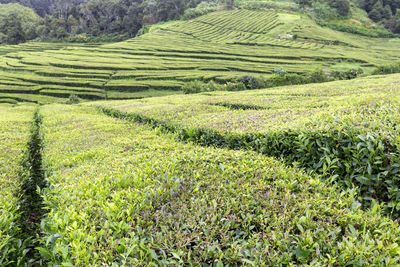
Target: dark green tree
[(303, 3), (229, 4), (377, 12), (12, 29), (342, 7), (387, 12)]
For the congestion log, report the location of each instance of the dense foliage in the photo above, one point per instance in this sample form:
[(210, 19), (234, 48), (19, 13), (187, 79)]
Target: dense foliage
[(123, 194), (17, 23), (14, 134), (113, 20), (327, 9), (385, 12), (108, 18), (349, 135)]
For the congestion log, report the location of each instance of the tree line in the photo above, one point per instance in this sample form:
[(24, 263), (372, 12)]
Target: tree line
[(59, 19), (385, 12), (113, 20)]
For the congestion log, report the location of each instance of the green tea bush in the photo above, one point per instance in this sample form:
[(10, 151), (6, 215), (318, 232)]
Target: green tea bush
[(73, 99), (272, 4), (375, 33), (194, 87), (201, 9), (124, 194), (388, 69), (30, 201), (347, 75), (14, 129), (239, 106), (347, 156)]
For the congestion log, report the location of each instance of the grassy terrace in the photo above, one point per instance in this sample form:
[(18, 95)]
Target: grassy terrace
[(217, 46), (121, 193), (38, 47), (345, 131), (14, 131), (317, 107)]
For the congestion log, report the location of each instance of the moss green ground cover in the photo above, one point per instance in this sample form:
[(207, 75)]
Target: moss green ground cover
[(121, 193), (14, 132), (218, 46)]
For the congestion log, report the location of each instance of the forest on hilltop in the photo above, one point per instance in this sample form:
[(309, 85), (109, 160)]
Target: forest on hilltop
[(115, 20)]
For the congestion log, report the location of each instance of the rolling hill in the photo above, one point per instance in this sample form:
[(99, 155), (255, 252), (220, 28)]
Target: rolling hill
[(217, 46), (145, 175)]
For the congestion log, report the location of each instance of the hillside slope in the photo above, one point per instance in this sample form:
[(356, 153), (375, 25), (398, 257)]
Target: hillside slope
[(346, 131), (220, 46)]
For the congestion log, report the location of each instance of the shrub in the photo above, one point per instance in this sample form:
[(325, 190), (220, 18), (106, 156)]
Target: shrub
[(388, 69), (317, 76), (347, 156), (194, 87), (230, 86), (252, 82), (347, 75), (202, 9), (279, 78), (240, 86), (213, 86), (375, 33), (73, 99), (279, 70)]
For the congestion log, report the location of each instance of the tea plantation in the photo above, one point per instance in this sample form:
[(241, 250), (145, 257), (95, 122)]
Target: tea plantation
[(104, 161), (345, 131), (215, 47), (181, 180)]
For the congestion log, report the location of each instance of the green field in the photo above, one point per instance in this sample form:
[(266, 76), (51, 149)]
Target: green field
[(217, 46), (14, 133), (104, 161), (347, 131), (174, 183), (121, 193), (313, 107)]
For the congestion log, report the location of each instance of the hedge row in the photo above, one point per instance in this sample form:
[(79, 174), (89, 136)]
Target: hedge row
[(347, 157)]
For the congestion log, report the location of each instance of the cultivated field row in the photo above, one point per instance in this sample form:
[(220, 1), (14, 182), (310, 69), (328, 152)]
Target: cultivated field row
[(122, 193), (214, 47), (348, 131)]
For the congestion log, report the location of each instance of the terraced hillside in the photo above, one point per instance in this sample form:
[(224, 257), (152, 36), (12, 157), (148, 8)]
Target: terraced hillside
[(217, 46), (345, 131)]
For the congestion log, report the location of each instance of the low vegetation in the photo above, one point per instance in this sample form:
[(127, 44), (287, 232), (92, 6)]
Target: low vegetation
[(121, 192), (212, 52), (346, 134), (163, 202), (285, 153), (14, 134)]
